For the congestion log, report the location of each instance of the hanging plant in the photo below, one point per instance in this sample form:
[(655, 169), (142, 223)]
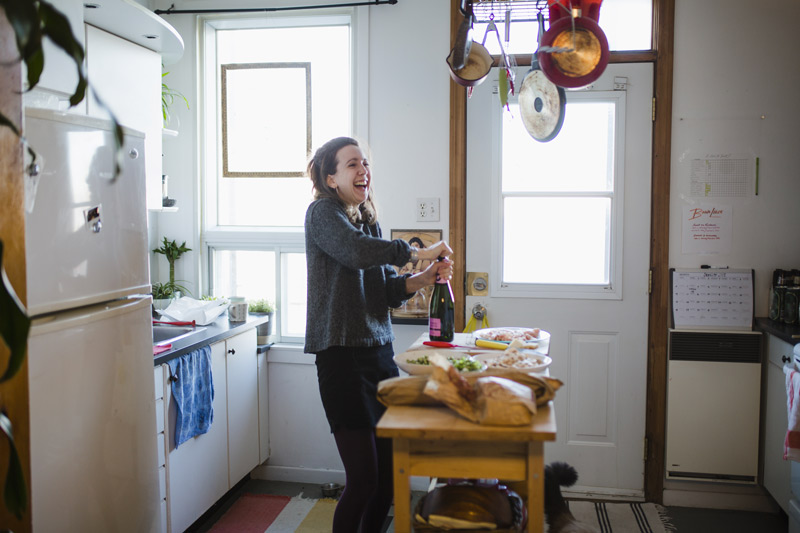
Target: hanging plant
[(168, 96)]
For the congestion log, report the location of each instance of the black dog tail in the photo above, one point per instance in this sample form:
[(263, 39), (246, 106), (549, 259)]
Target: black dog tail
[(564, 474)]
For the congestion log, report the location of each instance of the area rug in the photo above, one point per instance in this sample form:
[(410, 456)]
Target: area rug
[(303, 515), (251, 513), (622, 517)]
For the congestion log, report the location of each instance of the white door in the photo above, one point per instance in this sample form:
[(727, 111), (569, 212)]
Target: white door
[(599, 330)]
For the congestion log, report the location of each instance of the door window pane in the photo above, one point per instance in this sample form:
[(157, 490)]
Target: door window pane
[(580, 158), (557, 240), (558, 199)]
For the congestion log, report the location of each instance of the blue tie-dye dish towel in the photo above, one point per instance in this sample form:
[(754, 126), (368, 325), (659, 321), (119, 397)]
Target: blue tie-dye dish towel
[(193, 392)]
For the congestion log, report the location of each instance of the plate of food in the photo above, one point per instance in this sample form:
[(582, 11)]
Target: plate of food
[(508, 334), (522, 360), (417, 362)]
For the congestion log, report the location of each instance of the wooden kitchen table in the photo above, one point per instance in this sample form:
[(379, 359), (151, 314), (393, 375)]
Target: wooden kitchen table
[(436, 442)]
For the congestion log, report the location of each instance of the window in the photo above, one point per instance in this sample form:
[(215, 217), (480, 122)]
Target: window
[(274, 89), (627, 24), (562, 198)]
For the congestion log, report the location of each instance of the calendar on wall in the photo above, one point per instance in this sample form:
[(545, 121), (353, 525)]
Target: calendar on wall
[(712, 298)]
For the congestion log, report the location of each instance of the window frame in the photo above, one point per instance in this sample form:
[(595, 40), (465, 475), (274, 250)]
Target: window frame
[(612, 291), (277, 239)]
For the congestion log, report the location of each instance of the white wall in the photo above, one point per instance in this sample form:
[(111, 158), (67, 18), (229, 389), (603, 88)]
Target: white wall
[(735, 90)]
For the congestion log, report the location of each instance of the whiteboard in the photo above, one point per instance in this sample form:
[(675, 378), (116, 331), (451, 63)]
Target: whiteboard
[(712, 298)]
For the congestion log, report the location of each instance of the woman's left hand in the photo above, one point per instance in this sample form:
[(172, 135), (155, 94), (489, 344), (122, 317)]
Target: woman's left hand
[(442, 269)]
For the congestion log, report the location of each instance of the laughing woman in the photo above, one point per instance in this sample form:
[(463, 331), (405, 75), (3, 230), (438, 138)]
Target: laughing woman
[(351, 286)]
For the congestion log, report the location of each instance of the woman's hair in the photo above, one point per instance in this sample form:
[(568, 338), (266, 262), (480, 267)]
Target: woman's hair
[(324, 164)]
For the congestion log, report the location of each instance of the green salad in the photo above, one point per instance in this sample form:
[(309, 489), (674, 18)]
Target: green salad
[(462, 364)]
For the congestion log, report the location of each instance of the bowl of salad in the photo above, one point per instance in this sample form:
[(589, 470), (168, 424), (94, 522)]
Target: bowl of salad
[(417, 362)]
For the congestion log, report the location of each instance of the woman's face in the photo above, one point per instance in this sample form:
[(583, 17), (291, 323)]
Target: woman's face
[(352, 177)]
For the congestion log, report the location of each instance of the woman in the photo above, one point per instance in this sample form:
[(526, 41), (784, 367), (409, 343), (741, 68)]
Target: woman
[(351, 286)]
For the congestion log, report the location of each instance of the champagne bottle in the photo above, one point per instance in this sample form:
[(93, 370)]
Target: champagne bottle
[(442, 315)]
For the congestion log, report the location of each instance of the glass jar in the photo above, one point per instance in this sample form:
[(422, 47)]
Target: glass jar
[(791, 298), (775, 295)]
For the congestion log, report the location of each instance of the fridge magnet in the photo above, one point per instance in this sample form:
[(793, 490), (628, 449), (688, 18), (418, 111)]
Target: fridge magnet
[(416, 306)]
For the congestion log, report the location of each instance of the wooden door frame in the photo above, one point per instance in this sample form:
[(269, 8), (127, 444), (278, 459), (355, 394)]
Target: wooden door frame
[(662, 58), (13, 393)]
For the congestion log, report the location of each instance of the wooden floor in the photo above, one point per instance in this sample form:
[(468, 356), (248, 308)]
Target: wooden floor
[(683, 519)]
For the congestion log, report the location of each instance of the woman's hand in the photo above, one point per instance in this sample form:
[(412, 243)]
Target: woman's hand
[(438, 269), (434, 251)]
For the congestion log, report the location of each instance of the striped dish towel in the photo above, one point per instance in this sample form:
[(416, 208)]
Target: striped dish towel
[(791, 446)]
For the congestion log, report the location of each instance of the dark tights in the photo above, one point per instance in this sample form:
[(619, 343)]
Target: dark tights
[(367, 495)]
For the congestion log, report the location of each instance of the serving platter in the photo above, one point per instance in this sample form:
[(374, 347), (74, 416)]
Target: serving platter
[(403, 360), (507, 334), (533, 362)]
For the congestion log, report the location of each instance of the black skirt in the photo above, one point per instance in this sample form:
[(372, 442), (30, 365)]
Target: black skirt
[(348, 384)]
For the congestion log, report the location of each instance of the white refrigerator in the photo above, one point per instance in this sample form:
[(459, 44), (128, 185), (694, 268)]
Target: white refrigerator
[(90, 353)]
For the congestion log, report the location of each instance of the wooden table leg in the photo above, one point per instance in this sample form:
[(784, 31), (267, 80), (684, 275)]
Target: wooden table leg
[(535, 481), (402, 486)]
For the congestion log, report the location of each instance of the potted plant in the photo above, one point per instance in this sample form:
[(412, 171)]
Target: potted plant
[(172, 252), (168, 96), (262, 306), (164, 293)]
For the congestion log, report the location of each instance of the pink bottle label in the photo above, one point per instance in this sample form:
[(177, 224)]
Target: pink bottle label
[(435, 327)]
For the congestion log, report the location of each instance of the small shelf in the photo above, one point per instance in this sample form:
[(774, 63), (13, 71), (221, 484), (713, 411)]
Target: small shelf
[(168, 132), (164, 210), (131, 21)]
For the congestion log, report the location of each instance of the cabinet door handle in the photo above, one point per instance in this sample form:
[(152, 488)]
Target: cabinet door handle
[(232, 351), (786, 359)]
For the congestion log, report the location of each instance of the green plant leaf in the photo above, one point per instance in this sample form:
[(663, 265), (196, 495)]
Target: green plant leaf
[(4, 121), (15, 494), (24, 19), (14, 323)]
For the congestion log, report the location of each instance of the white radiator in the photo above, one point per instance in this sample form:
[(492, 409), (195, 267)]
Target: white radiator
[(713, 404)]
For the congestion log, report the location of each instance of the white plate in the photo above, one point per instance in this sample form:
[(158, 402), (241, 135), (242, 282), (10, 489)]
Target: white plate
[(418, 370), (488, 333), (541, 361)]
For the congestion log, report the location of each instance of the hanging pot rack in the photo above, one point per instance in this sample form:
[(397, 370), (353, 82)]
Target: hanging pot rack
[(516, 10)]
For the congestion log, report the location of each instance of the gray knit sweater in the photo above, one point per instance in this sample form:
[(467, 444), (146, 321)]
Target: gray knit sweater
[(351, 285)]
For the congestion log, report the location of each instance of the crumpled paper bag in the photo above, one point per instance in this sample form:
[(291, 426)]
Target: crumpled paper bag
[(203, 312), (490, 400)]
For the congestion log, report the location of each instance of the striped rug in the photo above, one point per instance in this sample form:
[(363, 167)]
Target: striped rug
[(622, 517), (259, 513)]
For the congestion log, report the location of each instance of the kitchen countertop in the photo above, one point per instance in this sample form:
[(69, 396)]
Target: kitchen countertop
[(786, 333), (218, 330)]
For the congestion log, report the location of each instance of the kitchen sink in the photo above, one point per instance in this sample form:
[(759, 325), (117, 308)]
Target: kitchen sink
[(169, 334)]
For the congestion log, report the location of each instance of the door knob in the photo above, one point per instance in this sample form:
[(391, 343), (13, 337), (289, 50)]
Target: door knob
[(232, 351), (786, 359)]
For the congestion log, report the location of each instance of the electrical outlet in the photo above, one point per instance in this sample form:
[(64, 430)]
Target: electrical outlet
[(427, 209)]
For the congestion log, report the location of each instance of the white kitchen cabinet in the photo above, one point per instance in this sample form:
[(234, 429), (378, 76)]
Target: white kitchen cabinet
[(161, 442), (243, 433), (127, 78), (197, 471), (263, 408), (200, 471), (776, 469), (60, 74)]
